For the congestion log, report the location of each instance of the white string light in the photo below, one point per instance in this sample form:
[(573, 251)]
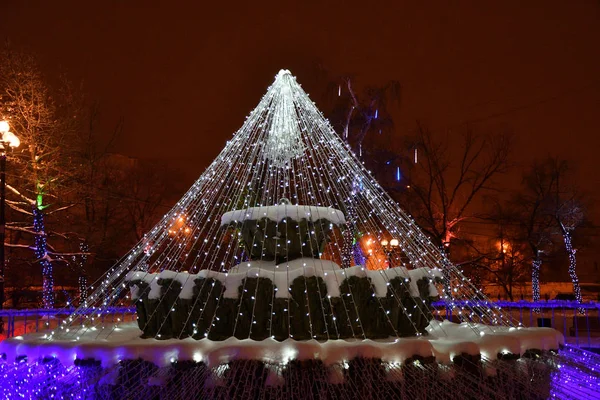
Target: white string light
[(285, 149)]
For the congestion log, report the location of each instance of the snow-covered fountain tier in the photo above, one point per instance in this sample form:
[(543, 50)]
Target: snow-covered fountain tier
[(254, 291), (284, 232), (240, 295)]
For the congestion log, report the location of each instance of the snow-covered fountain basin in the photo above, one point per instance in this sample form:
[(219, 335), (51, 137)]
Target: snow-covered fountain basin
[(445, 341), (113, 362)]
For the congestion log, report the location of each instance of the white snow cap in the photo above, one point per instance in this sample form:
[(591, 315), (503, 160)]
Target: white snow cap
[(281, 211), (282, 276)]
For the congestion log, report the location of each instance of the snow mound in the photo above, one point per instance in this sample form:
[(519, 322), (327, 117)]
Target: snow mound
[(450, 339)]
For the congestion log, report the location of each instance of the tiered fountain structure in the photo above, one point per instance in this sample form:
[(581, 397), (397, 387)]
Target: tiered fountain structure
[(289, 279)]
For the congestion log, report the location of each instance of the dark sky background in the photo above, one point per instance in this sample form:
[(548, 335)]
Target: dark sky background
[(185, 74)]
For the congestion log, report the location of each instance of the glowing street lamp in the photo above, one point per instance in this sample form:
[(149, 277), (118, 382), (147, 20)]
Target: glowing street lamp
[(389, 246), (8, 140)]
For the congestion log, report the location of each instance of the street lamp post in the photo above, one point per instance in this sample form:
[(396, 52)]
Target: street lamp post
[(8, 140), (388, 247)]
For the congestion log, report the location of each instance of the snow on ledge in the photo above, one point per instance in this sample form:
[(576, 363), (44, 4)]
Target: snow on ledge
[(283, 275), (281, 211), (452, 339), (445, 341)]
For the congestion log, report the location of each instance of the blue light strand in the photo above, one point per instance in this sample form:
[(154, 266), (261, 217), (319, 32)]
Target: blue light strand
[(562, 304)]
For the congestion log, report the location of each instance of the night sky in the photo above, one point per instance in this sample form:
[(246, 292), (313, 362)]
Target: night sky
[(184, 75)]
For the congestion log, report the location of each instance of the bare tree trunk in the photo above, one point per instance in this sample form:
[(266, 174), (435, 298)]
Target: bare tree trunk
[(348, 252), (83, 284), (41, 255), (536, 264), (572, 266), (82, 289), (348, 242)]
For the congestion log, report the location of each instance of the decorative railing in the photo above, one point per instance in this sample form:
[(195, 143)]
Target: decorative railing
[(20, 322), (578, 322)]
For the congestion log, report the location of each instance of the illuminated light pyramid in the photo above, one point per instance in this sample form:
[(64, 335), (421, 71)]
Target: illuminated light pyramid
[(287, 272)]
